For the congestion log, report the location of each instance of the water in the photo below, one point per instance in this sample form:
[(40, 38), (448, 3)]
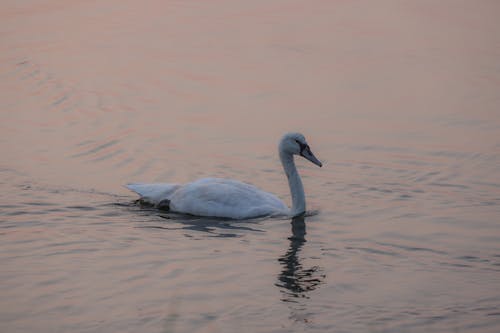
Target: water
[(399, 100)]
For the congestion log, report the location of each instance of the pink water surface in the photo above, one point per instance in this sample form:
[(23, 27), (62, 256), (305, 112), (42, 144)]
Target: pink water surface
[(399, 99)]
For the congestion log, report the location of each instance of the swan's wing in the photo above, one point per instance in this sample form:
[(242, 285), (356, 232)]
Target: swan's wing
[(225, 198), (153, 193)]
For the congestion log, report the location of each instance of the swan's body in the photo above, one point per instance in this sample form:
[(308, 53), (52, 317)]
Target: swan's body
[(213, 197), (231, 198)]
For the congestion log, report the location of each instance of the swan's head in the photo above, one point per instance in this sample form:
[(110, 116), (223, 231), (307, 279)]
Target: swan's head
[(295, 144)]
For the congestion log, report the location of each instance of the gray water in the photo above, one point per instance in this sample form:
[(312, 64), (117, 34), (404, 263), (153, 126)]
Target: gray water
[(400, 101)]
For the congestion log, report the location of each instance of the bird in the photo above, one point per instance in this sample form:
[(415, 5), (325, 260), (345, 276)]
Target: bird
[(233, 199)]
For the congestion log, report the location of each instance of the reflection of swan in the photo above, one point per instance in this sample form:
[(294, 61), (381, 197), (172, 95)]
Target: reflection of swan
[(230, 198), (296, 280)]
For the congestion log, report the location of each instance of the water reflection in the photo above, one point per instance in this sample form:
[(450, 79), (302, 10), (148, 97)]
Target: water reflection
[(215, 227), (295, 281)]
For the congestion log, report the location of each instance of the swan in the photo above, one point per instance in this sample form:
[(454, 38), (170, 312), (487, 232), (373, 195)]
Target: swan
[(227, 198)]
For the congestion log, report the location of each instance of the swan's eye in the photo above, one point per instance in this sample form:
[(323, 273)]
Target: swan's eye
[(302, 146)]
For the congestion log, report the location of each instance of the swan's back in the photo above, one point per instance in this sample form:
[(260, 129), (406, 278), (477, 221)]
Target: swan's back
[(225, 198)]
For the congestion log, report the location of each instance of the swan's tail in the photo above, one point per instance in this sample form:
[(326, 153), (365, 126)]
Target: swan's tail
[(153, 193)]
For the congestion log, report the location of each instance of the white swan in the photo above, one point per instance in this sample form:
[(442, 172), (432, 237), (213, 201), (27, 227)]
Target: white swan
[(229, 198)]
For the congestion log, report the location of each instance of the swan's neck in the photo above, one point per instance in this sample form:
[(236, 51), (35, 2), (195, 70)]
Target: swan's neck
[(296, 188)]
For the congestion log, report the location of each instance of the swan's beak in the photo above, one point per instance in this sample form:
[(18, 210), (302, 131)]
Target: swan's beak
[(308, 154)]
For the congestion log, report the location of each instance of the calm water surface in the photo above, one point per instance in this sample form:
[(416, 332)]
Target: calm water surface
[(400, 100)]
